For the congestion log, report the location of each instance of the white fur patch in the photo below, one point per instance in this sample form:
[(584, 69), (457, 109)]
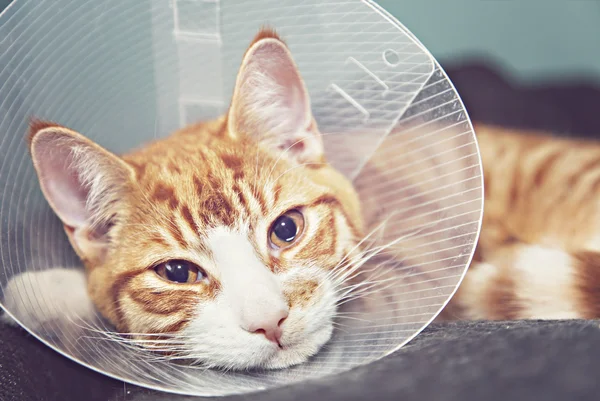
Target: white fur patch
[(545, 282), (543, 285), (48, 299), (250, 288), (218, 335)]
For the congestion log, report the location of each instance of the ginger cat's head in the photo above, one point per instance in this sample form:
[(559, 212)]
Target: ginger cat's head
[(226, 237)]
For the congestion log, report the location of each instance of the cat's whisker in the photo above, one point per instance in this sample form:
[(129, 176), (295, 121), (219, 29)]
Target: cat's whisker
[(125, 340), (342, 292), (341, 327), (143, 348), (366, 285), (372, 289), (95, 329), (334, 271), (137, 341), (380, 226), (356, 297), (357, 262), (349, 288), (374, 252), (350, 269), (344, 313), (362, 287), (355, 318), (372, 282)]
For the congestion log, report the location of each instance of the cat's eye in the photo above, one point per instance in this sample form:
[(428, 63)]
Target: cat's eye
[(286, 229), (180, 271)]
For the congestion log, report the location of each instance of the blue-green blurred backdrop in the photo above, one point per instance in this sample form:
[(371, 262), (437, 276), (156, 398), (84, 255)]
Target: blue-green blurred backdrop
[(532, 39)]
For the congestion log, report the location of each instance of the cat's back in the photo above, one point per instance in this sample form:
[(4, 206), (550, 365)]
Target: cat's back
[(541, 187)]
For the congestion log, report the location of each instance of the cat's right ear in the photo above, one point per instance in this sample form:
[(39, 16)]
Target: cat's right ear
[(270, 102), (82, 182)]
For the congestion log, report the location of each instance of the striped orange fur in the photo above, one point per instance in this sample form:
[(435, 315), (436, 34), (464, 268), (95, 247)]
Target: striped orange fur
[(538, 255), (210, 194)]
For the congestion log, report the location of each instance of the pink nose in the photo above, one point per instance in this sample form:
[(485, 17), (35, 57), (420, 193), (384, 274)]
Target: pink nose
[(269, 326)]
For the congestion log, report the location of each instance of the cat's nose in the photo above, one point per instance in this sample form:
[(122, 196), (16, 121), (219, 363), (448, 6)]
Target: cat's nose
[(269, 325)]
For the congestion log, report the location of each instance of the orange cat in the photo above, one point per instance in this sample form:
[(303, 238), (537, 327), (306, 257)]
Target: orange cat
[(234, 234), (229, 232)]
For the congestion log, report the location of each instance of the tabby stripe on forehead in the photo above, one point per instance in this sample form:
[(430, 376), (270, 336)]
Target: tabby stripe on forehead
[(242, 199), (325, 199), (189, 218), (276, 193), (174, 167), (238, 175), (235, 164), (164, 193), (219, 207), (158, 239), (197, 185), (259, 196), (177, 234)]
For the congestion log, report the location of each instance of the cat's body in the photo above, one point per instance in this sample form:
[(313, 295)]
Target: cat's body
[(538, 255), (184, 237)]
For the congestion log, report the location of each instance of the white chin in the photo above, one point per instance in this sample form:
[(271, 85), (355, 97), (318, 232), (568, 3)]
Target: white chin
[(299, 353), (266, 355)]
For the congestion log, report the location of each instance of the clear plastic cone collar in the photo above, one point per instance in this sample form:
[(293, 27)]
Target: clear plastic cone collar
[(126, 72)]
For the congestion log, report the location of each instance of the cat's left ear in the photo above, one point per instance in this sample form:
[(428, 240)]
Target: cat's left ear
[(85, 185), (270, 102)]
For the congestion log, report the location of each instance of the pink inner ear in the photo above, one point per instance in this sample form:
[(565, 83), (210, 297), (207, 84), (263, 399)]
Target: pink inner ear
[(291, 91), (61, 180), (272, 95)]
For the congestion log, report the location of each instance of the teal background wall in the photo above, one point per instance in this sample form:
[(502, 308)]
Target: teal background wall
[(532, 39)]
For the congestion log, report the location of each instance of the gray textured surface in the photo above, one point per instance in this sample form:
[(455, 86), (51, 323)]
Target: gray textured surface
[(548, 361), (467, 361)]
